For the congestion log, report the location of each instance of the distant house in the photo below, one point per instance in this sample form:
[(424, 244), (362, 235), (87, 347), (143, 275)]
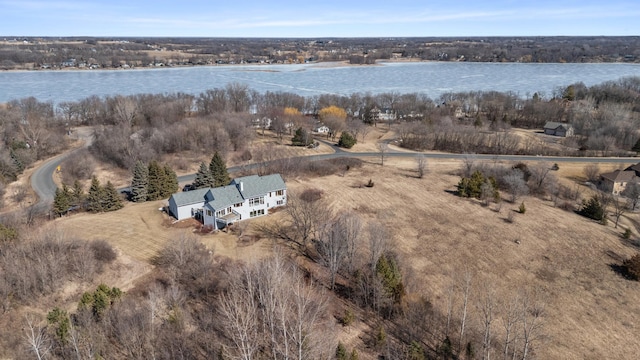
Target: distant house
[(616, 182), (558, 129), (246, 197), (321, 129)]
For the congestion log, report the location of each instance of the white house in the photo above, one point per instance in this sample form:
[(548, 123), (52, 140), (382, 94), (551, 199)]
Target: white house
[(321, 129), (246, 197)]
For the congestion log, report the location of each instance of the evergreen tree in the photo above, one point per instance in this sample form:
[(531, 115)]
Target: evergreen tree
[(140, 182), (347, 140), (170, 182), (203, 177), (59, 319), (62, 200), (111, 199), (77, 194), (592, 209), (95, 196), (341, 352), (218, 170), (301, 138), (155, 181)]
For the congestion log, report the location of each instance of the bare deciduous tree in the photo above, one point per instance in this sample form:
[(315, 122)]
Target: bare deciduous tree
[(37, 339), (487, 307), (620, 206), (239, 309), (421, 166), (516, 186), (382, 151), (591, 172)]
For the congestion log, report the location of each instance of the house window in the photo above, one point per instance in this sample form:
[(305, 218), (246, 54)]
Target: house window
[(237, 205), (280, 202), (209, 213), (256, 213), (256, 201), (279, 192), (220, 213)]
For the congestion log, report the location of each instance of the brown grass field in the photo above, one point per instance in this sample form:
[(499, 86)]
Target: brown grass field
[(591, 312)]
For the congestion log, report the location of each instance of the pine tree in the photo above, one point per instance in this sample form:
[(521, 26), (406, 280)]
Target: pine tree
[(170, 182), (347, 140), (62, 200), (203, 177), (77, 194), (95, 196), (154, 181), (111, 200), (140, 182), (301, 138), (218, 170)]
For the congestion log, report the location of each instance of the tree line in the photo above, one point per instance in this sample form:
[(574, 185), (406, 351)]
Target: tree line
[(30, 53)]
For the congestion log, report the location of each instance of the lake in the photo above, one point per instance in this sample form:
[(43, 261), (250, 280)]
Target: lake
[(430, 78)]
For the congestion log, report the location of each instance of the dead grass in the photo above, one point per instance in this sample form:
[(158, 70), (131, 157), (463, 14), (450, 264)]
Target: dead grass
[(590, 314)]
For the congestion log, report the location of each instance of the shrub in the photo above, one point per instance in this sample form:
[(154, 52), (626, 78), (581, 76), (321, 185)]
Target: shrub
[(347, 140), (341, 352), (626, 234), (632, 266), (473, 186), (103, 251), (348, 318), (592, 209), (370, 183), (522, 209), (311, 195)]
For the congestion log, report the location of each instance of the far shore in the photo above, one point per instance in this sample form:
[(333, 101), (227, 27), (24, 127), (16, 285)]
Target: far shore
[(324, 64)]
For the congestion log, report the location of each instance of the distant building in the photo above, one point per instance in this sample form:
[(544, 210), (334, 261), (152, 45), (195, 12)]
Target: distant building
[(558, 129)]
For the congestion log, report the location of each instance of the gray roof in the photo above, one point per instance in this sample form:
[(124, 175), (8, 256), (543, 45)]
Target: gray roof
[(619, 176), (223, 196), (255, 185), (189, 197), (555, 125)]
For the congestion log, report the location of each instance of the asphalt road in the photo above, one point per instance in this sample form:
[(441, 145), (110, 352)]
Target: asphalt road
[(44, 186), (42, 178)]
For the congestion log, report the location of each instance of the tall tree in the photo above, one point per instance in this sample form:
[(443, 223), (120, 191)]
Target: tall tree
[(170, 182), (140, 182), (95, 195), (77, 197), (218, 170), (111, 199), (203, 177), (155, 181), (62, 200)]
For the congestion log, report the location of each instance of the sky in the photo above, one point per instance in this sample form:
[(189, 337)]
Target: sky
[(318, 18)]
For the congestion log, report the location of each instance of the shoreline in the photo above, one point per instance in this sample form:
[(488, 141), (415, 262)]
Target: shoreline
[(318, 64)]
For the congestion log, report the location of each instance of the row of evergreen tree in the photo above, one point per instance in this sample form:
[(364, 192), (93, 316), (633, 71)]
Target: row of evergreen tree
[(152, 182), (98, 199), (215, 175)]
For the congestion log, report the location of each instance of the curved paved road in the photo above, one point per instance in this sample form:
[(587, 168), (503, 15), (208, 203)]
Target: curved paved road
[(42, 178), (43, 184)]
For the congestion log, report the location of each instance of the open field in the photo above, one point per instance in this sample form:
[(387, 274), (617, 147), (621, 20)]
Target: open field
[(590, 310)]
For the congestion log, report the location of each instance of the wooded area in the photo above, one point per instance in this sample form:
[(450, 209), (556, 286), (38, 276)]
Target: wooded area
[(107, 53)]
